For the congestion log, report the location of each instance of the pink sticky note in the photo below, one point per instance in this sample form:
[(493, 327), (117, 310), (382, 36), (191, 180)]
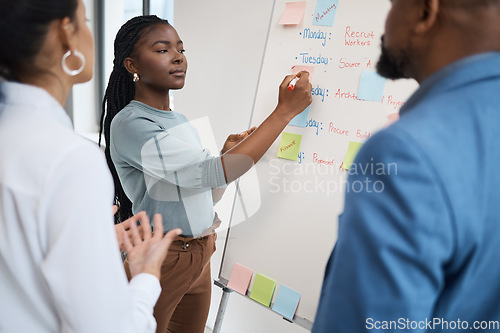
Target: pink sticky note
[(299, 68), (392, 118), (294, 12), (240, 278)]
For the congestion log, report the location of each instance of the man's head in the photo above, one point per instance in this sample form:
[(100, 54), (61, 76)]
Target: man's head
[(422, 36)]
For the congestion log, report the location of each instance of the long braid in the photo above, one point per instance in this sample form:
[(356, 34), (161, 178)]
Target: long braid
[(119, 92)]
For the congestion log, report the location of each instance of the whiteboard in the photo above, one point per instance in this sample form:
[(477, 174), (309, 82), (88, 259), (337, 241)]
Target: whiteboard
[(284, 220)]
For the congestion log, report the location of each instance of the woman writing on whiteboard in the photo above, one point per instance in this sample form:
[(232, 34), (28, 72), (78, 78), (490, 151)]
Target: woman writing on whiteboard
[(158, 161)]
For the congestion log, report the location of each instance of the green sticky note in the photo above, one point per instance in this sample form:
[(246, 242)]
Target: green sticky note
[(263, 289), (289, 146), (352, 151)]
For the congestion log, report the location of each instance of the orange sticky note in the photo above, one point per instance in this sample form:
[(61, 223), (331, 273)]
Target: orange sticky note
[(294, 12), (240, 278)]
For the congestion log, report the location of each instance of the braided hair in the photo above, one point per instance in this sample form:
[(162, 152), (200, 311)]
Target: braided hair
[(119, 92)]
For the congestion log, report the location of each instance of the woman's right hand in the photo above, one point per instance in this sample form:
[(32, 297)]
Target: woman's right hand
[(147, 251), (239, 159), (293, 102)]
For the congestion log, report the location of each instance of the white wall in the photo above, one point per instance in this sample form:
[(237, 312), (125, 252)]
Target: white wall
[(224, 42), (85, 115), (84, 95)]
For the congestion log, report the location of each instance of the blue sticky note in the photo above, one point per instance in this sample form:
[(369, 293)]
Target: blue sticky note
[(300, 120), (371, 86), (325, 12), (286, 302)]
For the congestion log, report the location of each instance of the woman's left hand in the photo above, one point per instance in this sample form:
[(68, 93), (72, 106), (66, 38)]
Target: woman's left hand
[(233, 139), (125, 226)]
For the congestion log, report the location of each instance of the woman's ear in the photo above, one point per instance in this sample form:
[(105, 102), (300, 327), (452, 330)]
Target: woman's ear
[(429, 14), (67, 30), (130, 65)]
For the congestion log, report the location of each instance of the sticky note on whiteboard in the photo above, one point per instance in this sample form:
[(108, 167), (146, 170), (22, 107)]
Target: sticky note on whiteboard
[(263, 289), (352, 151), (300, 68), (325, 12), (391, 119), (371, 86), (300, 120), (294, 12), (286, 302), (289, 146), (240, 278)]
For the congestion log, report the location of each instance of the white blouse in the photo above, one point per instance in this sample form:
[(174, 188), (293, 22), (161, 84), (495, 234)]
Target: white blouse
[(60, 266)]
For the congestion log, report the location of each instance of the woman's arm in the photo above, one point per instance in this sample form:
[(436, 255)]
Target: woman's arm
[(163, 155), (82, 261), (231, 141), (239, 159)]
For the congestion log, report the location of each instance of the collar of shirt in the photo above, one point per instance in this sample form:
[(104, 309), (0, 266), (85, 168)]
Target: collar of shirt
[(461, 72), (162, 113), (33, 98)]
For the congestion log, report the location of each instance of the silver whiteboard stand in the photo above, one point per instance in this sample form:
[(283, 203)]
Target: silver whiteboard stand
[(222, 306)]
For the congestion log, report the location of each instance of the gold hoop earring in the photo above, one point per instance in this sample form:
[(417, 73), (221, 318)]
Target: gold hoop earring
[(136, 77), (73, 72)]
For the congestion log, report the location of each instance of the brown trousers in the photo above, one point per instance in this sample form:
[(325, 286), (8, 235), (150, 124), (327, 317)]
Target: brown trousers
[(186, 285)]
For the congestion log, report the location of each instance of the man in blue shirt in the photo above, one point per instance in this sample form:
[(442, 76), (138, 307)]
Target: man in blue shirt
[(419, 252)]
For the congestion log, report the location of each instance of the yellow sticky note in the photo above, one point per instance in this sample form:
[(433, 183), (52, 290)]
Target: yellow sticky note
[(289, 146), (263, 289), (352, 151), (294, 12)]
